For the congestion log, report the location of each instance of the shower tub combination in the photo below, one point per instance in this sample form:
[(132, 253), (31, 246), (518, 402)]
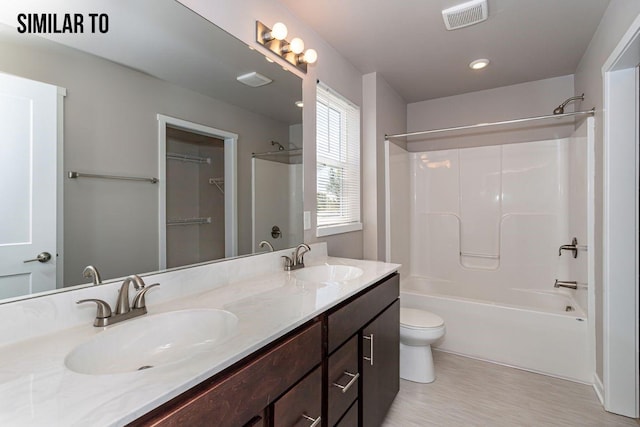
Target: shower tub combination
[(477, 231), (540, 331)]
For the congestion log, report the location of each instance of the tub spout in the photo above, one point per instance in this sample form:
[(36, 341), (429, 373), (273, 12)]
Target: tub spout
[(565, 284)]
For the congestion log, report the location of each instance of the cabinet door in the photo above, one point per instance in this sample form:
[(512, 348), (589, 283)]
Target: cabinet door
[(381, 365), (301, 405)]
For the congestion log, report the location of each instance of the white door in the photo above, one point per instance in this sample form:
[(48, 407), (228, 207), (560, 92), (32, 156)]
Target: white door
[(28, 145)]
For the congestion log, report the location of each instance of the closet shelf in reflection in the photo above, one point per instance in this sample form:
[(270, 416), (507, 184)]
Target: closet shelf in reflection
[(189, 221), (188, 158), (218, 182), (74, 175)]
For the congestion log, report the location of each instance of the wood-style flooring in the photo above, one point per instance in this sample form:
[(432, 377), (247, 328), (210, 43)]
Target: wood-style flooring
[(469, 392)]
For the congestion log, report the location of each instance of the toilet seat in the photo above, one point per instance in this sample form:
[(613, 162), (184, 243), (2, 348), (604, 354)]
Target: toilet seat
[(419, 319)]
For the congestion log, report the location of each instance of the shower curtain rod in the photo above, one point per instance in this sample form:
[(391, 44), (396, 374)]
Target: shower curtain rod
[(481, 125)]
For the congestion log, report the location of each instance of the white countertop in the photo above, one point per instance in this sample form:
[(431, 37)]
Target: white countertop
[(36, 388)]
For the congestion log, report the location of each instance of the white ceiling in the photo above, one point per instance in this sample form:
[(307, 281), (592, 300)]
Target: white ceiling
[(407, 43)]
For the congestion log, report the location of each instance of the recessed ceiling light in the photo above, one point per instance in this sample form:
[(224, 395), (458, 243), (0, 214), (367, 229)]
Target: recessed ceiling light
[(299, 104), (479, 64)]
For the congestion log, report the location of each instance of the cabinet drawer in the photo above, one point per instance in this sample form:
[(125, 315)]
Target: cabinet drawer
[(347, 320), (351, 417), (235, 399), (302, 404), (343, 380)]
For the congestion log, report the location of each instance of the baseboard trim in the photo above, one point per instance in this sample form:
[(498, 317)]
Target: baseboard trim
[(599, 388)]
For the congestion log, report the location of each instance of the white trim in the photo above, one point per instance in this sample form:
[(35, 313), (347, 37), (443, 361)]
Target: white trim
[(387, 205), (598, 387), (330, 230), (620, 226), (230, 183), (62, 92), (591, 259), (253, 205)]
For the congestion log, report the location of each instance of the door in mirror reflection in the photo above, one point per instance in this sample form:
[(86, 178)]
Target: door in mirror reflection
[(198, 207), (27, 186), (195, 198)]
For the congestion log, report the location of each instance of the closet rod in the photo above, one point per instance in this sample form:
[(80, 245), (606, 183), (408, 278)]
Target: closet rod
[(506, 122), (124, 178)]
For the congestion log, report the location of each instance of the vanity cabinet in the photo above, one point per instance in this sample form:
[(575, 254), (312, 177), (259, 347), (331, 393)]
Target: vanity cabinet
[(242, 397), (370, 322), (381, 361), (341, 369)]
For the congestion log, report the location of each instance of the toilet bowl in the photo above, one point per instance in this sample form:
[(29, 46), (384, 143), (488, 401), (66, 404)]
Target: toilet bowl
[(418, 330)]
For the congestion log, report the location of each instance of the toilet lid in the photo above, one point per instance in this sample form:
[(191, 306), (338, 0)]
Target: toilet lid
[(413, 318)]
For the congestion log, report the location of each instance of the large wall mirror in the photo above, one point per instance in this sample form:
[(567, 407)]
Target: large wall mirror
[(157, 98)]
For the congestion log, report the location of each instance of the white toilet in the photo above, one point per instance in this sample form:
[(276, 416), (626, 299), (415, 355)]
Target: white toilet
[(418, 330)]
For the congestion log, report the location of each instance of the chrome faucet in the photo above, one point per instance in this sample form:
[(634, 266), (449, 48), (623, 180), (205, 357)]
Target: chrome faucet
[(123, 311), (296, 260), (572, 247), (91, 271), (269, 245), (565, 284)]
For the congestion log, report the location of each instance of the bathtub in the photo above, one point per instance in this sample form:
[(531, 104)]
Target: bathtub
[(535, 330)]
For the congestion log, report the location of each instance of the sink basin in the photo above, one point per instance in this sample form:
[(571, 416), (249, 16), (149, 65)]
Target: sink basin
[(152, 341), (328, 273)]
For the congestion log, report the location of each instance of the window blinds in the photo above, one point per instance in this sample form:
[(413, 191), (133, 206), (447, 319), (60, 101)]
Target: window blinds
[(338, 162)]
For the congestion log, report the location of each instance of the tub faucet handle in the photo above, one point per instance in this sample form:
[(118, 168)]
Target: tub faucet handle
[(572, 247)]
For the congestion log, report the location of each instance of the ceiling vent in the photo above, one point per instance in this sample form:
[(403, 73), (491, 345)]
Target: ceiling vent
[(254, 79), (465, 14)]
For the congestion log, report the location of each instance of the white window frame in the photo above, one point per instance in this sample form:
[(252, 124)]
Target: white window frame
[(322, 230)]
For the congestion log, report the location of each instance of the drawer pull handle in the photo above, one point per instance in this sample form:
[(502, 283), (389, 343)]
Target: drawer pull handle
[(314, 422), (370, 338), (354, 378)]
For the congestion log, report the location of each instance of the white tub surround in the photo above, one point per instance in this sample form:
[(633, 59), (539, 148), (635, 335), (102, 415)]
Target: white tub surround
[(37, 389), (485, 225)]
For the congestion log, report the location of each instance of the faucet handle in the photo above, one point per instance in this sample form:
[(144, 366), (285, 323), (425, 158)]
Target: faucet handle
[(138, 300), (104, 310)]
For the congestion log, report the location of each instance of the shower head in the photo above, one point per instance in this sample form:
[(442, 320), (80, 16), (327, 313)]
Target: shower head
[(560, 108), (280, 147)]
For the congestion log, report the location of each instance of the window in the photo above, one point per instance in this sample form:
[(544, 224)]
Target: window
[(338, 163)]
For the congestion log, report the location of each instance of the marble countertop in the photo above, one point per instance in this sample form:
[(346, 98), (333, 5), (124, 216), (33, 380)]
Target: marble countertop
[(37, 389)]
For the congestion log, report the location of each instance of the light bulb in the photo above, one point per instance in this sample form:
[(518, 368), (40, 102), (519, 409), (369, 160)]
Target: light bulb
[(310, 56), (279, 31), (296, 46)]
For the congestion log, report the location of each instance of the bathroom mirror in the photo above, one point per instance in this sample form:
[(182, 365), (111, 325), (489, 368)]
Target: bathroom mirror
[(157, 59)]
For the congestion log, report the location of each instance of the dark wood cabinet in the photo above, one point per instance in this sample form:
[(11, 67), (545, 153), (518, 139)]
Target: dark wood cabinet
[(302, 405), (343, 380), (380, 370), (239, 397), (315, 375)]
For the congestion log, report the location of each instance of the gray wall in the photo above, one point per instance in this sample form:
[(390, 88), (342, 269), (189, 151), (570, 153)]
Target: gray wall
[(384, 112), (111, 128), (530, 99), (238, 18), (588, 78)]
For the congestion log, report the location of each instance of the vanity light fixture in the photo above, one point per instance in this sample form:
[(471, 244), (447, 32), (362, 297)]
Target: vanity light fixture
[(279, 32), (479, 64), (293, 52)]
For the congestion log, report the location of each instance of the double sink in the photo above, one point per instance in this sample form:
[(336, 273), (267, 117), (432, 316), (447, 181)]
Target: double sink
[(173, 337)]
